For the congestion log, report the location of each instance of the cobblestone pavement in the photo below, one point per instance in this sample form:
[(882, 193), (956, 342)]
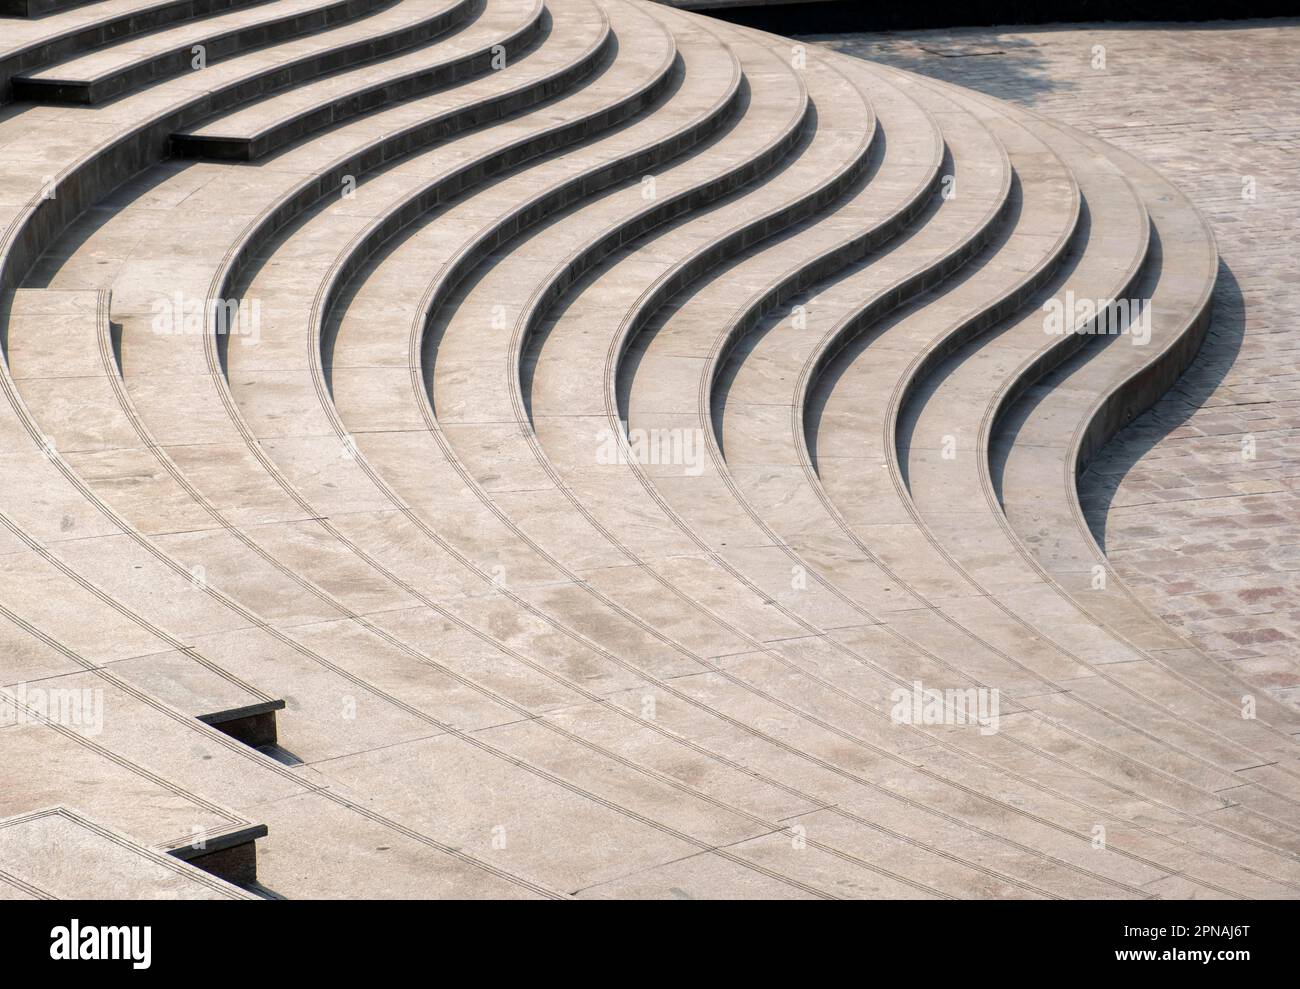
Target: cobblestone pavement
[(1198, 502)]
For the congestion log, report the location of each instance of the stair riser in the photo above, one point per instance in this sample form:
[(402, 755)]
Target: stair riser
[(521, 220), (240, 42), (583, 186), (116, 29), (413, 140), (368, 101), (925, 281), (96, 176), (1052, 357), (1139, 392), (987, 319)]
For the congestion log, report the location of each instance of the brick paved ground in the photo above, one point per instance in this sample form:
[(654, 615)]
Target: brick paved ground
[(1198, 502)]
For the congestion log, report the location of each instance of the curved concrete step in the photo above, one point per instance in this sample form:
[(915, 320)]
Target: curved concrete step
[(104, 431), (139, 61), (672, 404), (848, 425), (393, 458), (57, 853), (1045, 439), (230, 650), (387, 492), (444, 507), (1062, 419), (499, 33), (769, 471), (1035, 358), (599, 172), (953, 527), (82, 27), (83, 164), (58, 419)]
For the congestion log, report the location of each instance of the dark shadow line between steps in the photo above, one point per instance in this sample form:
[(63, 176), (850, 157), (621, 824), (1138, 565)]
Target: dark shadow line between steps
[(930, 375), (536, 338), (852, 348), (1014, 417), (734, 361), (634, 349), (95, 218), (311, 212)]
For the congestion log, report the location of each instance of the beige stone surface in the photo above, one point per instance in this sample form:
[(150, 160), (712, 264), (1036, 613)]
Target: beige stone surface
[(1201, 534), (570, 488)]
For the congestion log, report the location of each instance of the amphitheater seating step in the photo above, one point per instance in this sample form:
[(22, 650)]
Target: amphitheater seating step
[(433, 431), (109, 72), (58, 854)]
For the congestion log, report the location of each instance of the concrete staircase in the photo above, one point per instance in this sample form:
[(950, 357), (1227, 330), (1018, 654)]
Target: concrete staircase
[(509, 448)]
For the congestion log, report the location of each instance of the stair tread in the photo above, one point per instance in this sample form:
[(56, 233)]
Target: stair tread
[(1037, 448), (137, 50), (59, 854), (20, 34), (499, 23), (415, 522), (360, 437)]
